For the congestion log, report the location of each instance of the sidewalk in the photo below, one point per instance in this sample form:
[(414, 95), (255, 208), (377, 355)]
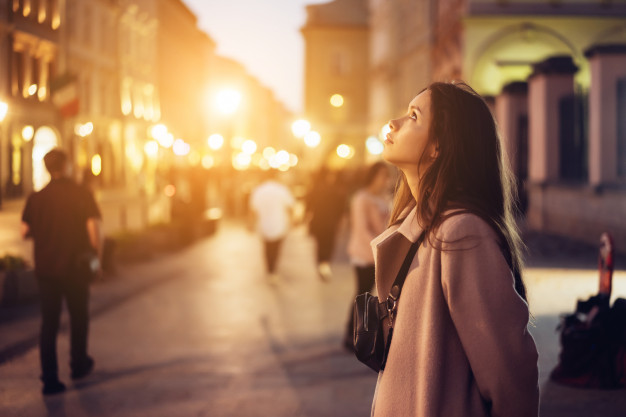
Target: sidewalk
[(283, 376)]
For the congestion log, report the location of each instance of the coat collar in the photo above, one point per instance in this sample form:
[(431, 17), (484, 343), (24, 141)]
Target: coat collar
[(390, 249)]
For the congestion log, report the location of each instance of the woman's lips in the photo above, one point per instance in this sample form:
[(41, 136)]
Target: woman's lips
[(388, 139)]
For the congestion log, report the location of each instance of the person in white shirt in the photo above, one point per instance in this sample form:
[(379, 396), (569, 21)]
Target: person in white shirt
[(271, 204)]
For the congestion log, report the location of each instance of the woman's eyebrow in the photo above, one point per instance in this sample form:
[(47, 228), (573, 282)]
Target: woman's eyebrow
[(416, 108)]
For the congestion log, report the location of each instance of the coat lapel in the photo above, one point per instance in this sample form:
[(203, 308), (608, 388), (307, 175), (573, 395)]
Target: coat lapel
[(390, 248)]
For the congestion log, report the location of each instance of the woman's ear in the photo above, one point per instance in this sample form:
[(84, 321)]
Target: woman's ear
[(434, 152)]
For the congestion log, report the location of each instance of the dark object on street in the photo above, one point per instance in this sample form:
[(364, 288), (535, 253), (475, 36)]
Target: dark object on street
[(53, 387), (593, 338), (83, 369), (369, 316)]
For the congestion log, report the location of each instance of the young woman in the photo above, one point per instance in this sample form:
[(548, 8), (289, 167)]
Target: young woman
[(460, 347), (369, 215)]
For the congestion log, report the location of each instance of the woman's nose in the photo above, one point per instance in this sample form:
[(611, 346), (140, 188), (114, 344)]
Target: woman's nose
[(392, 124)]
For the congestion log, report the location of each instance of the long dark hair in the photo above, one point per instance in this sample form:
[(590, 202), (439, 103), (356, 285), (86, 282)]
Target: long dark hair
[(470, 173)]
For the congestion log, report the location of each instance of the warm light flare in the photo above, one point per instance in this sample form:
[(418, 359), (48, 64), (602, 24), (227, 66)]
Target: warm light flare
[(32, 89), (28, 132), (242, 161), (4, 109), (269, 152), (158, 131), (96, 165), (249, 147), (384, 130), (300, 128), (151, 148), (169, 190), (336, 100), (374, 146), (344, 151), (208, 161), (215, 141), (181, 148), (83, 130), (312, 139), (227, 101)]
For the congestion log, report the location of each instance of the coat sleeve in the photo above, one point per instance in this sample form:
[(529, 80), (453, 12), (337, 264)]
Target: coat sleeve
[(491, 319)]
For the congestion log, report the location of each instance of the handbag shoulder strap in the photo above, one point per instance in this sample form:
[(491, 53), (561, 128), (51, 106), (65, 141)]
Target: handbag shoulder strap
[(404, 270)]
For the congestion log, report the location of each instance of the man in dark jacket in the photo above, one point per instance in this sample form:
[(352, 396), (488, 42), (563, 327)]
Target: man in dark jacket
[(64, 221)]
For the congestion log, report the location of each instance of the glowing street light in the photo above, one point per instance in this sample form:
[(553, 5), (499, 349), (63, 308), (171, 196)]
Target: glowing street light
[(384, 130), (269, 152), (249, 147), (312, 139), (158, 132), (282, 157), (28, 132), (344, 151), (96, 165), (300, 128), (167, 141), (83, 130), (181, 148), (215, 141), (227, 101), (4, 109), (208, 161), (336, 100), (374, 146), (151, 148), (241, 161)]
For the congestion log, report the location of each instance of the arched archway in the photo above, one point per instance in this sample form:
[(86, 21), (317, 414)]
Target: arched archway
[(508, 54), (46, 138)]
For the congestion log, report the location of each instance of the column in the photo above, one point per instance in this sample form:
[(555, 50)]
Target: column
[(550, 81), (608, 66)]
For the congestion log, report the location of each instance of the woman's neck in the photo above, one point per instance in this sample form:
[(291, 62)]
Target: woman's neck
[(413, 180)]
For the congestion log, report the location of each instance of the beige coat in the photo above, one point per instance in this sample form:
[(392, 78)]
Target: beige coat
[(461, 347)]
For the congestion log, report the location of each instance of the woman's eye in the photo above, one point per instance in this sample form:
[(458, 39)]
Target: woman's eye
[(414, 116)]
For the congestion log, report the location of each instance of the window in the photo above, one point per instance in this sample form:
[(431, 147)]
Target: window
[(340, 63), (17, 79)]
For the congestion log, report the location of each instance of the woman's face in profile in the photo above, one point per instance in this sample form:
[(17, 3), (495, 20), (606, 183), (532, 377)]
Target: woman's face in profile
[(408, 138)]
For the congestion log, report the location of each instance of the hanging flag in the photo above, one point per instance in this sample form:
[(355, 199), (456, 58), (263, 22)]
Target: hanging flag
[(65, 97)]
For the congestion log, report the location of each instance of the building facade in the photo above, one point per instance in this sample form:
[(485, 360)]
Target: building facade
[(336, 36), (29, 43), (553, 72)]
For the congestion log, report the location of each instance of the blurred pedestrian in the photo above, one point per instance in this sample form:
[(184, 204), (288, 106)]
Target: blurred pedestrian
[(325, 206), (64, 221), (271, 210), (369, 215), (460, 344)]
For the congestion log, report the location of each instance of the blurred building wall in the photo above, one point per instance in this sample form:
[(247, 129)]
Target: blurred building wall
[(336, 36), (29, 43), (555, 74)]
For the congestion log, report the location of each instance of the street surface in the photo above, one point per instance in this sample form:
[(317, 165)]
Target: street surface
[(202, 333)]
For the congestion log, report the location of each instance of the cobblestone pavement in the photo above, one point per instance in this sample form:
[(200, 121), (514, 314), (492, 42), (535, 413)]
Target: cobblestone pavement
[(202, 333)]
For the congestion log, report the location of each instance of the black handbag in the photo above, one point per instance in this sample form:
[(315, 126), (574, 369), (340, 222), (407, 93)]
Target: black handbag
[(369, 315)]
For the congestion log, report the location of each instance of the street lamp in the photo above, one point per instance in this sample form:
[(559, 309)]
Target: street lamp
[(215, 141), (312, 139), (374, 146), (227, 101), (336, 100), (300, 128), (4, 108)]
